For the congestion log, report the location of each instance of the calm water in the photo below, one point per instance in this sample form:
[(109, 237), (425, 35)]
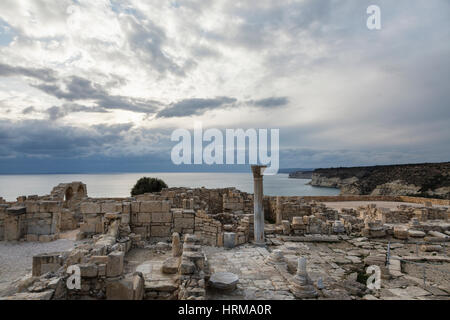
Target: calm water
[(120, 184)]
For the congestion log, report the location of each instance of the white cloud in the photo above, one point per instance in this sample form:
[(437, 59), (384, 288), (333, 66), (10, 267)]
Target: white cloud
[(346, 87)]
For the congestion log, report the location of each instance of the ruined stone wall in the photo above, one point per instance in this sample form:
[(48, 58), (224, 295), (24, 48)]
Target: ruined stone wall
[(30, 220), (2, 220), (155, 220), (208, 229), (43, 218), (68, 220), (237, 202)]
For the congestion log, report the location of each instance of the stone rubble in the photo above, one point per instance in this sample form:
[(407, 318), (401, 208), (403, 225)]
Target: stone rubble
[(201, 240)]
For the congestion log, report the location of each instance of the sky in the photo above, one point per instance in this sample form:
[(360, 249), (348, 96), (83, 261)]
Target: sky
[(94, 86)]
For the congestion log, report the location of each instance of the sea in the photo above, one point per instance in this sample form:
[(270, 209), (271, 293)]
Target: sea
[(120, 184)]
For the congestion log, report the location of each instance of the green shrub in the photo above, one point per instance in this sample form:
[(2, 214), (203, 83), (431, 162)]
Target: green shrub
[(146, 185)]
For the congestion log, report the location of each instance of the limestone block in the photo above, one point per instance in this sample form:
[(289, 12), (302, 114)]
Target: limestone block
[(114, 268), (32, 237), (170, 265), (88, 270), (34, 227), (46, 262), (144, 217), (107, 207), (49, 206), (431, 248), (186, 267), (184, 223), (151, 206), (101, 270), (160, 231), (165, 206), (125, 218), (143, 232), (99, 259), (90, 207), (45, 238), (401, 232), (437, 234), (416, 234), (161, 216), (32, 206), (126, 208), (135, 206), (120, 290)]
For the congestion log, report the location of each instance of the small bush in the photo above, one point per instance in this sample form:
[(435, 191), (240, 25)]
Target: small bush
[(146, 185)]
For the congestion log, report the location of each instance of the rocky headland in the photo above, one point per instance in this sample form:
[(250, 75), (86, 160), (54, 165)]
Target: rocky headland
[(424, 180)]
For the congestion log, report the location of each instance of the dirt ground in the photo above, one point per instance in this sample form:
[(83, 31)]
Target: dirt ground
[(16, 256)]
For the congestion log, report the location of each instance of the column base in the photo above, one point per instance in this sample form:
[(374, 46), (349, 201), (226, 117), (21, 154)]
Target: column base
[(259, 244)]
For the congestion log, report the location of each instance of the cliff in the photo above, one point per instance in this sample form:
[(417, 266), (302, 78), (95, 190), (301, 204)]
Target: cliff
[(425, 180)]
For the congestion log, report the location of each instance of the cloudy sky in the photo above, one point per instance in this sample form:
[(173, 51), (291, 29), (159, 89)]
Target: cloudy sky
[(100, 85)]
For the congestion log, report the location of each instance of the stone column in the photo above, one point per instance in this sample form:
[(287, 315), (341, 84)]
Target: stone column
[(258, 204), (301, 285), (278, 211)]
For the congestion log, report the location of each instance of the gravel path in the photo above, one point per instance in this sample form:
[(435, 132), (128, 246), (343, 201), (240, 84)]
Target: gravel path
[(16, 257)]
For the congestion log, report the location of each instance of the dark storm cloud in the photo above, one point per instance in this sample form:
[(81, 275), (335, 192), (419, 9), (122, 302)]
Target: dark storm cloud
[(197, 106), (41, 74), (270, 102), (189, 107), (78, 89), (45, 139)]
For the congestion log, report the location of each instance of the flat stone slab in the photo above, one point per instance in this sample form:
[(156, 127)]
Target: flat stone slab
[(410, 292), (226, 281), (416, 234), (170, 265)]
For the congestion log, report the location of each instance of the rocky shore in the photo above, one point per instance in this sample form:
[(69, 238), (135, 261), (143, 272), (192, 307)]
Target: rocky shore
[(424, 180)]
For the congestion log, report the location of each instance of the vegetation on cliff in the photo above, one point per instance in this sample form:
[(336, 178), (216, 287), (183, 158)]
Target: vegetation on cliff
[(426, 179)]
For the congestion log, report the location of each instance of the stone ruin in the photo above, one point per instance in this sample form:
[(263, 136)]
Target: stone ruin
[(188, 219), (34, 218)]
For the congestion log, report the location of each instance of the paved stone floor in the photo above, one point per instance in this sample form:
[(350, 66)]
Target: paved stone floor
[(331, 265), (257, 280)]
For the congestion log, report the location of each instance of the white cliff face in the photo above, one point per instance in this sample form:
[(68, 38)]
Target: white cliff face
[(427, 180), (334, 182), (395, 188), (440, 192)]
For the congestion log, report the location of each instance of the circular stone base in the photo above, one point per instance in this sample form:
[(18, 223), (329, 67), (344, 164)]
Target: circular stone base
[(225, 281)]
